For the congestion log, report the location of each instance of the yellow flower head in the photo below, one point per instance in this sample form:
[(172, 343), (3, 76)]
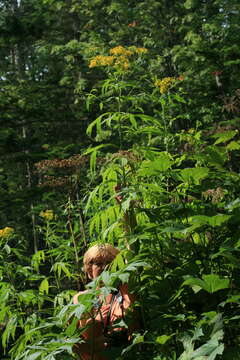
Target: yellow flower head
[(141, 50), (6, 232), (164, 84), (47, 215), (122, 62), (101, 60), (120, 50), (118, 58)]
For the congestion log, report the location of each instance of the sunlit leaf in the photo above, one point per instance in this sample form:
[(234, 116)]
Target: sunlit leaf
[(44, 286), (210, 283), (194, 175), (163, 339), (161, 163), (233, 145), (224, 136)]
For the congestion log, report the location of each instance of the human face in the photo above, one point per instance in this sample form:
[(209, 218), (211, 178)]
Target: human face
[(95, 268)]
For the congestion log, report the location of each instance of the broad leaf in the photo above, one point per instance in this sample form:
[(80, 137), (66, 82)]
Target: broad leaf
[(161, 163), (194, 175), (210, 283)]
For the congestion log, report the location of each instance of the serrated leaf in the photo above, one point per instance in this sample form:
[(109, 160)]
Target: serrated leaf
[(233, 145), (161, 163), (225, 136)]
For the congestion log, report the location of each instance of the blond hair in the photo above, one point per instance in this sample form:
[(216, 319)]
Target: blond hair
[(104, 253)]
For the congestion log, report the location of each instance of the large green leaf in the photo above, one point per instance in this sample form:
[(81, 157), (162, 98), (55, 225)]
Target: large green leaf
[(194, 175), (213, 221), (210, 283), (214, 283), (209, 350), (161, 163)]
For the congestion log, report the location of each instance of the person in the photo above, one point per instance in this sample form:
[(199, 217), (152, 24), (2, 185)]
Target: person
[(99, 334)]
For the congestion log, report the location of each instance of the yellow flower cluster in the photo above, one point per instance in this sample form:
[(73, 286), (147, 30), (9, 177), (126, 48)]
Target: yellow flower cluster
[(164, 84), (101, 60), (118, 58), (47, 215), (141, 50), (122, 62), (5, 232), (120, 50)]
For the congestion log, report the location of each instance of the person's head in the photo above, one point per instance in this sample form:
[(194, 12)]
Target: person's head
[(97, 257)]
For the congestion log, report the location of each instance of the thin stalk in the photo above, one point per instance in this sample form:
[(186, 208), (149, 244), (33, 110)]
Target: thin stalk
[(51, 258), (165, 125), (119, 119), (81, 222), (73, 241)]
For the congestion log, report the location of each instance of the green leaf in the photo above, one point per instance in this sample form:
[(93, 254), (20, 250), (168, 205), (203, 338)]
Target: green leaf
[(124, 277), (34, 356), (79, 310), (233, 145), (193, 282), (9, 330), (60, 267), (214, 283), (44, 286), (234, 299), (218, 219), (118, 262), (224, 136), (233, 204), (7, 249), (210, 283), (211, 349), (162, 162), (194, 175), (93, 158), (216, 156), (163, 339), (106, 277), (213, 221), (133, 121), (28, 297), (189, 4), (96, 148)]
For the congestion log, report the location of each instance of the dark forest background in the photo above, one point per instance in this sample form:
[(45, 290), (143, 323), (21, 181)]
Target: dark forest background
[(120, 123)]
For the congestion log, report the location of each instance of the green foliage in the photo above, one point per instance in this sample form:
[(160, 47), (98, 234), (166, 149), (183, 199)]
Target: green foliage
[(142, 151)]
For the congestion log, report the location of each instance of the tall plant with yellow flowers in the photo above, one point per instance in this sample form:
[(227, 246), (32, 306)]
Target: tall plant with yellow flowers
[(121, 58)]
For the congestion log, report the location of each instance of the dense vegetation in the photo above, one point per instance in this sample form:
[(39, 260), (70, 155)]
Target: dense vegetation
[(120, 123)]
